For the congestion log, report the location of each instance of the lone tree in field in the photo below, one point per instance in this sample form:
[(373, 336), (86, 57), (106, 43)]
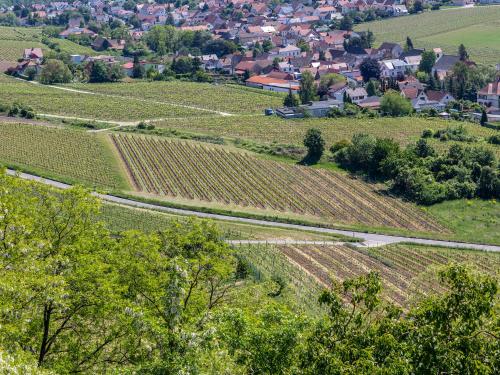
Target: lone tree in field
[(307, 88), (484, 117), (290, 100), (315, 146), (369, 69)]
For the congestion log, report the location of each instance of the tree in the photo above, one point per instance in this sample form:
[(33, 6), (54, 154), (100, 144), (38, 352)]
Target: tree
[(315, 145), (372, 87), (393, 104), (307, 88), (137, 69), (409, 44), (369, 69), (462, 53), (484, 117), (291, 100), (427, 62), (55, 71), (115, 73), (98, 72), (346, 23)]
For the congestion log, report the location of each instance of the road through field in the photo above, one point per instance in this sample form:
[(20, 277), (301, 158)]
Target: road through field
[(369, 239)]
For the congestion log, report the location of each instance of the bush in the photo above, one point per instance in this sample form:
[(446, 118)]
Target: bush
[(339, 145), (19, 110), (393, 104), (494, 139), (427, 133)]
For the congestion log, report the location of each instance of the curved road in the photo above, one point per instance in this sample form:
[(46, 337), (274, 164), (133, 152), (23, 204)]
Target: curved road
[(369, 239)]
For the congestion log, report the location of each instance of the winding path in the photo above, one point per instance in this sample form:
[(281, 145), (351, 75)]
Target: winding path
[(368, 239)]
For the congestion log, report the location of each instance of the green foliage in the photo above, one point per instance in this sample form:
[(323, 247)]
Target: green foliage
[(55, 71), (419, 174), (370, 69), (315, 145), (393, 104), (307, 88), (20, 110), (427, 62), (290, 100)]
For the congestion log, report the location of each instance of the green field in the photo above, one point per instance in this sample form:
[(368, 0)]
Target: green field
[(273, 129), (122, 218), (477, 28), (13, 41), (224, 98), (68, 155), (49, 100)]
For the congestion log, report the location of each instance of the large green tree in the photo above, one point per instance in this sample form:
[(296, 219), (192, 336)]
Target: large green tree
[(55, 71), (307, 87)]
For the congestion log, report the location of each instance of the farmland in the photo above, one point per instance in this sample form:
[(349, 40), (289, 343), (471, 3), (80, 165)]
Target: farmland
[(407, 271), (65, 154), (121, 218), (264, 129), (49, 100), (477, 28), (225, 98), (13, 40), (212, 174)]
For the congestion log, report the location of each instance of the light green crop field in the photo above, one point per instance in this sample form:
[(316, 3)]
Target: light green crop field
[(13, 41), (121, 218), (64, 154), (50, 100), (477, 28), (223, 98), (264, 129)]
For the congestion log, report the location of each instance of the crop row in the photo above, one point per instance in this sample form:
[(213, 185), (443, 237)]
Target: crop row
[(214, 174), (72, 154), (405, 270)]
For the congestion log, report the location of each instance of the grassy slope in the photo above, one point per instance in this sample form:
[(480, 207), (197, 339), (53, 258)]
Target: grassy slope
[(264, 129), (477, 28), (226, 98), (121, 218), (472, 220), (13, 40), (49, 100)]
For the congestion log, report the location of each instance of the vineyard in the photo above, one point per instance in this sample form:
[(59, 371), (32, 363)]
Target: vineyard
[(213, 174), (406, 270), (264, 129), (48, 100), (477, 28), (225, 98), (73, 155)]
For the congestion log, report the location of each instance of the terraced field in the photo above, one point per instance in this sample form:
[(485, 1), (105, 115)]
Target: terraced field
[(70, 155), (49, 100), (477, 28), (203, 173), (224, 98), (264, 129), (406, 270)]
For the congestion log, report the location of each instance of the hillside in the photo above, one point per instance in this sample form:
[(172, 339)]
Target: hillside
[(477, 28)]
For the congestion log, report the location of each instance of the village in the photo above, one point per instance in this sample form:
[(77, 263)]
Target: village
[(270, 47)]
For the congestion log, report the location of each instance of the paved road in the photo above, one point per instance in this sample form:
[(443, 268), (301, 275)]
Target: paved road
[(368, 239)]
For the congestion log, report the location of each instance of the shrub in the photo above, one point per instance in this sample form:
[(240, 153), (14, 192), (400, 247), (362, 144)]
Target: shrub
[(427, 133), (494, 139), (339, 145)]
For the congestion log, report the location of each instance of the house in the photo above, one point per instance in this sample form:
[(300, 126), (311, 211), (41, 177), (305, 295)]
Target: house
[(315, 109), (211, 62), (391, 50), (394, 68), (431, 99), (444, 65), (370, 102), (489, 96), (34, 54), (357, 94), (272, 84), (289, 51)]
